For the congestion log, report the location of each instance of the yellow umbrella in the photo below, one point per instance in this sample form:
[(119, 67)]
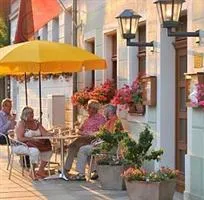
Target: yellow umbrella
[(47, 57), (39, 56)]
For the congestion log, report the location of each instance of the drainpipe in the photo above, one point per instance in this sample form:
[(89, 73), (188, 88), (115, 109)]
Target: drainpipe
[(74, 42)]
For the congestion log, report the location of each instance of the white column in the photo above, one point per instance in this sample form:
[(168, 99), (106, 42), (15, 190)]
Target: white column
[(166, 99)]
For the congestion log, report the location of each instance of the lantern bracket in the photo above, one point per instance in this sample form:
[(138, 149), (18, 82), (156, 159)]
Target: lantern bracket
[(182, 34), (140, 44)]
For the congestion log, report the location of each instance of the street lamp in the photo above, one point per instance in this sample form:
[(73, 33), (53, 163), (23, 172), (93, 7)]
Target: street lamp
[(128, 22), (169, 12)]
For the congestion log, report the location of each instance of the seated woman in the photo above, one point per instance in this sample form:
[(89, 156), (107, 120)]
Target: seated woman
[(86, 150), (41, 150), (88, 130)]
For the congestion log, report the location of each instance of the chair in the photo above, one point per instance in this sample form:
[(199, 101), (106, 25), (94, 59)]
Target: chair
[(15, 143), (10, 132), (93, 156), (90, 167)]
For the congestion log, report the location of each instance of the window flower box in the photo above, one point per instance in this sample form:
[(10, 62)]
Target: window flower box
[(149, 91), (195, 89)]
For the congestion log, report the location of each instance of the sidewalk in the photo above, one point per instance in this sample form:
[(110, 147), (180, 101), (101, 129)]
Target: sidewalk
[(20, 187)]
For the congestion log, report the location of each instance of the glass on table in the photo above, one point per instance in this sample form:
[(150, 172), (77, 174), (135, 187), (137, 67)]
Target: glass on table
[(13, 112), (72, 132), (55, 131)]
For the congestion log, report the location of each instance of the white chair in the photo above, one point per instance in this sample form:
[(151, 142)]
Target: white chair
[(91, 163), (94, 156), (10, 132), (15, 143)]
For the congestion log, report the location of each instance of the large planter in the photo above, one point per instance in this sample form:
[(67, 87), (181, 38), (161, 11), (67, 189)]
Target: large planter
[(110, 177), (140, 190)]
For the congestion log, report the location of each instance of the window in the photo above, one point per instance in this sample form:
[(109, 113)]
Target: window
[(90, 46), (142, 50), (114, 58), (55, 27)]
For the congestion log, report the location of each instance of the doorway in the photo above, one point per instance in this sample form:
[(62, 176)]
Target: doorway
[(181, 111)]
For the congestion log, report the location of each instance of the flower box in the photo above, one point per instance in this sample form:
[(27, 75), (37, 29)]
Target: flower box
[(192, 81), (138, 109), (141, 190), (130, 97), (149, 91)]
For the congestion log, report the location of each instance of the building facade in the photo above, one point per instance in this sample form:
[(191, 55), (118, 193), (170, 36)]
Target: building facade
[(54, 89), (178, 129)]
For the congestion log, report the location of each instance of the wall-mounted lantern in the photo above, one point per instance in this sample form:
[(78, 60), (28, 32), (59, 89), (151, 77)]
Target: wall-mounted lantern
[(128, 21), (169, 13)]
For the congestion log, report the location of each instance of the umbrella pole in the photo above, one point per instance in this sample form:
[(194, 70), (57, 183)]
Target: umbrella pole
[(40, 98), (26, 89)]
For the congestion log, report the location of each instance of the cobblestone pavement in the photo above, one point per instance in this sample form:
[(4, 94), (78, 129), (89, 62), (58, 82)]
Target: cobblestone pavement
[(23, 188)]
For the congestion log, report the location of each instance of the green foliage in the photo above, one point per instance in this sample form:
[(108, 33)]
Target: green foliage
[(109, 147), (112, 140), (4, 33), (131, 152), (137, 152)]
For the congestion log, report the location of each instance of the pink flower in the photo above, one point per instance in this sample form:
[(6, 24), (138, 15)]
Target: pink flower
[(199, 95), (129, 94)]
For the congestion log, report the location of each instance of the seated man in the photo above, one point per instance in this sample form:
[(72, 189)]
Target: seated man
[(88, 130), (7, 120), (85, 151)]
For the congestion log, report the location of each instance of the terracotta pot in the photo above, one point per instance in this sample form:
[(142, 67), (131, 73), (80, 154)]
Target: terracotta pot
[(141, 190)]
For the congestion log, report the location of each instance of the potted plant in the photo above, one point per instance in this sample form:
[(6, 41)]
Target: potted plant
[(130, 97), (140, 184), (159, 185), (109, 162)]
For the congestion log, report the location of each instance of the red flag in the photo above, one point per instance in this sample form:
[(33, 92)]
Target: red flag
[(33, 15)]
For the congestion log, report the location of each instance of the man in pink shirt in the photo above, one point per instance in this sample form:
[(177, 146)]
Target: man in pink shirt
[(88, 131), (85, 151)]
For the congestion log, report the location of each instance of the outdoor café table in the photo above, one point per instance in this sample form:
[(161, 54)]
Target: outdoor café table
[(61, 139)]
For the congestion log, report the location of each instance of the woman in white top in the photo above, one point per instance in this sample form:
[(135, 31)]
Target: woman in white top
[(41, 150)]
